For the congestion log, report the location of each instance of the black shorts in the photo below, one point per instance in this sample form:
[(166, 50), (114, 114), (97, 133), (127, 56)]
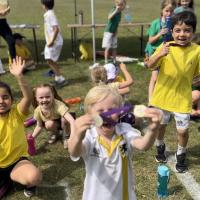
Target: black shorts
[(5, 180)]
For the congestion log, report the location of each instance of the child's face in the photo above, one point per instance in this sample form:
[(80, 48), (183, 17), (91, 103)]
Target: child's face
[(182, 34), (44, 97), (105, 105), (5, 101), (120, 5), (18, 41), (185, 3), (167, 11)]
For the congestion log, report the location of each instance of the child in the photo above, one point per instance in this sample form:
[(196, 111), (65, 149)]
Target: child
[(110, 32), (106, 148), (179, 63), (14, 164), (5, 30), (183, 5), (23, 52), (107, 74), (51, 113), (54, 41), (157, 33)]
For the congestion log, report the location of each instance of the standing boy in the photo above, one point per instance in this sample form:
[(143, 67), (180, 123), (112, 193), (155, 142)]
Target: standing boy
[(179, 62), (54, 41), (110, 32)]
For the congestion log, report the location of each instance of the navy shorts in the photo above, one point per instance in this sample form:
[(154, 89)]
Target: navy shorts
[(5, 180)]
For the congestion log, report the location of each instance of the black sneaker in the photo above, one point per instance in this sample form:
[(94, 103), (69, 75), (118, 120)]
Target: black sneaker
[(61, 84), (160, 157), (29, 192), (181, 166)]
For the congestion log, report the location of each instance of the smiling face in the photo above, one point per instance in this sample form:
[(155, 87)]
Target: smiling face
[(44, 97), (167, 11), (105, 105), (5, 101), (182, 34), (185, 3)]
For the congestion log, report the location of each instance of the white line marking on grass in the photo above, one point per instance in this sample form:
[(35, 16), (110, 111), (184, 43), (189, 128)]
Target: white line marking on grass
[(62, 183), (186, 179)]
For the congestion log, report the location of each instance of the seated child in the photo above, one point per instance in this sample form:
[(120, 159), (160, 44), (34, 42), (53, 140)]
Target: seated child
[(108, 74), (23, 52), (51, 113)]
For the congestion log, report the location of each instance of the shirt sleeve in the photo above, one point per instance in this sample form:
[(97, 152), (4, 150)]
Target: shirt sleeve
[(62, 108)]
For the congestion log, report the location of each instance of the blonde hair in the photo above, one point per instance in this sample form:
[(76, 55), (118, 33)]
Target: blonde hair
[(99, 93), (98, 74), (167, 2)]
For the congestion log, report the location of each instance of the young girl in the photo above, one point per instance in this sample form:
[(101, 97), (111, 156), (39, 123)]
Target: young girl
[(51, 113), (107, 148), (184, 5), (14, 165), (157, 32), (54, 41), (107, 74)]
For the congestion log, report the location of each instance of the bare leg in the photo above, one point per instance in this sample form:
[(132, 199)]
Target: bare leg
[(26, 173), (106, 54), (54, 66)]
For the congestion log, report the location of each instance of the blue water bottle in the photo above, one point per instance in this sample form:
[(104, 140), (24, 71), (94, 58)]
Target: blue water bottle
[(163, 179), (167, 36), (127, 15)]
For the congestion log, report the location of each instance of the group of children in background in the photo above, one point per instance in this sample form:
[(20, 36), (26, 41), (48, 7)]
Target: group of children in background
[(105, 144)]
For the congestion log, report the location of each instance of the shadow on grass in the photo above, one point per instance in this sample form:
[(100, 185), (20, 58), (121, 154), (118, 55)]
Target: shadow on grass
[(194, 152)]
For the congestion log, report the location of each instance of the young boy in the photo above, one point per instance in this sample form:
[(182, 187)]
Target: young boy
[(54, 41), (179, 62), (110, 32), (23, 52)]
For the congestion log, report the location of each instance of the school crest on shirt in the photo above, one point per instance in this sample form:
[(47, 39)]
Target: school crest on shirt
[(123, 148)]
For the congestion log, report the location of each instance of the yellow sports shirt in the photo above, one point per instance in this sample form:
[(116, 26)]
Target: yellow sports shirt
[(13, 143), (173, 91)]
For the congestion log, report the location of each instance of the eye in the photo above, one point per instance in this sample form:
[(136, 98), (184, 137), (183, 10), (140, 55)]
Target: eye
[(6, 97)]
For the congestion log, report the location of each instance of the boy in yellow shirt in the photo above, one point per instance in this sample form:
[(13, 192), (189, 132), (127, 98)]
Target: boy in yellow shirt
[(179, 62)]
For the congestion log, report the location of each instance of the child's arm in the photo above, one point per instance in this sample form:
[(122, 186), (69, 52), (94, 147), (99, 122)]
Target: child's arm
[(153, 39), (117, 10), (71, 121), (75, 143), (37, 129), (128, 78), (16, 68), (155, 58), (55, 31), (146, 141)]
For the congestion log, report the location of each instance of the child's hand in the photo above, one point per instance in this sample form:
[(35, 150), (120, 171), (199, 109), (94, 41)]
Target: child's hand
[(82, 124), (163, 31), (122, 66), (165, 49), (17, 66), (155, 116)]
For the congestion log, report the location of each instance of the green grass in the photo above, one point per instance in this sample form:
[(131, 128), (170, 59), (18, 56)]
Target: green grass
[(53, 159)]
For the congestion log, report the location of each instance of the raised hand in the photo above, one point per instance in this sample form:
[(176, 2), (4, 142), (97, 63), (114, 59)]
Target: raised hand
[(17, 66)]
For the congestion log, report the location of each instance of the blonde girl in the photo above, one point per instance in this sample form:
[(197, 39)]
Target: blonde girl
[(51, 113)]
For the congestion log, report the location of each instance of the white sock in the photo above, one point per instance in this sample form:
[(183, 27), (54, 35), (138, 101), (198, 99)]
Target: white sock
[(159, 142), (180, 150)]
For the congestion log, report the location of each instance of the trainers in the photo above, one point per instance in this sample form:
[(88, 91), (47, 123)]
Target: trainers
[(29, 192), (160, 157), (181, 166), (59, 84)]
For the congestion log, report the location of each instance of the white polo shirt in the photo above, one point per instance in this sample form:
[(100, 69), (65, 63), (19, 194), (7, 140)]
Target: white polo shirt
[(107, 177)]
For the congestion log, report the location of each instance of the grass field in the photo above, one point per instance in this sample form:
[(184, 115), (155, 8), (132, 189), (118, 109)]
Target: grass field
[(58, 170)]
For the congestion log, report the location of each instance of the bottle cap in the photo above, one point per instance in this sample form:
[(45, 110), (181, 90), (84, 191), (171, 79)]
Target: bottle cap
[(163, 170)]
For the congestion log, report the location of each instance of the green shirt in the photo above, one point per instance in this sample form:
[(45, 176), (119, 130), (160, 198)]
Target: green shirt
[(113, 23)]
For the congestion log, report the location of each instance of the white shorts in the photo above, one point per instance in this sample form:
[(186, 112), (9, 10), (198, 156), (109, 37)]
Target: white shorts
[(53, 52), (109, 40), (182, 119)]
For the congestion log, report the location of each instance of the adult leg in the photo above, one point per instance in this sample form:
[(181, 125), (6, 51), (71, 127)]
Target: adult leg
[(6, 33)]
